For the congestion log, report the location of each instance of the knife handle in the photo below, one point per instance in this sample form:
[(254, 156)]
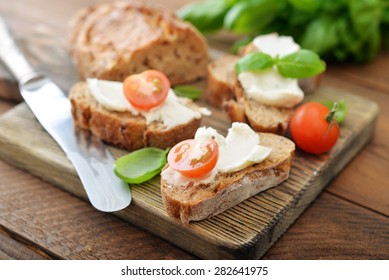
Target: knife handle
[(11, 55)]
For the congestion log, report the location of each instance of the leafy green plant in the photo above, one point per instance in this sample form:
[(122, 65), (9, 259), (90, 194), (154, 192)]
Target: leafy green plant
[(335, 29)]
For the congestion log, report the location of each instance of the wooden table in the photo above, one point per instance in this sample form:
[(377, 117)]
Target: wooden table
[(349, 220)]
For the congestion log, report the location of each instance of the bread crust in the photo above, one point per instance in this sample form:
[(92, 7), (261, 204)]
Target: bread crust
[(219, 74), (198, 202), (123, 129), (261, 117), (113, 40)]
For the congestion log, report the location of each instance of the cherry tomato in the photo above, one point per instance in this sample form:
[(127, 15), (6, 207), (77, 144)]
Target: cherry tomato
[(310, 129), (194, 158), (147, 89)]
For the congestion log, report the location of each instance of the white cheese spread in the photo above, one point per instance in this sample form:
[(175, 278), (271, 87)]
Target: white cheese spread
[(275, 45), (269, 87), (172, 112), (240, 149)]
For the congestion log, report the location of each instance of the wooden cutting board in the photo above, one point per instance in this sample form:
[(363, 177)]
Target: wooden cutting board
[(245, 231)]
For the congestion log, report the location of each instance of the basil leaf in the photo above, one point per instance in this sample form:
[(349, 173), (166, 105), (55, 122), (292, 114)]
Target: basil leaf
[(254, 62), (305, 5), (207, 16), (365, 16), (251, 16), (141, 165), (300, 64), (340, 113), (320, 35), (190, 92)]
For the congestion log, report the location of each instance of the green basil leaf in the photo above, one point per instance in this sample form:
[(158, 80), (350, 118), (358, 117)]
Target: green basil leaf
[(300, 64), (340, 113), (320, 35), (254, 62), (207, 16), (306, 5), (251, 16), (365, 16), (190, 92), (141, 165)]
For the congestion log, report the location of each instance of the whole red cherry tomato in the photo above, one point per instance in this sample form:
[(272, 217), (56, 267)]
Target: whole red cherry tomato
[(313, 128)]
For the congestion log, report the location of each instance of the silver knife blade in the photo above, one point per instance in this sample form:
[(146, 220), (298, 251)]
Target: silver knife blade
[(90, 157)]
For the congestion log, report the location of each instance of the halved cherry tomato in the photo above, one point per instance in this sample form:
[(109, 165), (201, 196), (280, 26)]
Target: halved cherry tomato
[(147, 89), (310, 129), (194, 158)]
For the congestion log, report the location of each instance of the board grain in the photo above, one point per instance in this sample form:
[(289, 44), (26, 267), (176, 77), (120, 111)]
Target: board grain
[(245, 231)]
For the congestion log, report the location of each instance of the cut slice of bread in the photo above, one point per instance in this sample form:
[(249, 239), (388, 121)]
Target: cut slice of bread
[(124, 129), (110, 41), (198, 202), (224, 90), (219, 76), (261, 117)]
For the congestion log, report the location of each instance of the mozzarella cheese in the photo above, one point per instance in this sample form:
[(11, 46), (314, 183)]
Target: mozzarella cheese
[(275, 45), (172, 112), (270, 88), (240, 149)]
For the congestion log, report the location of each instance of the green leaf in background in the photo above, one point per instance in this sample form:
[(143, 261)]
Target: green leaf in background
[(207, 15), (141, 165), (340, 113), (254, 62), (251, 16), (365, 16), (300, 64), (305, 5), (336, 29), (320, 35), (190, 92)]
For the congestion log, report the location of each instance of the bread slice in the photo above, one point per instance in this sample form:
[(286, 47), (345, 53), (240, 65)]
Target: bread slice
[(198, 202), (123, 129), (113, 40), (261, 117), (219, 74)]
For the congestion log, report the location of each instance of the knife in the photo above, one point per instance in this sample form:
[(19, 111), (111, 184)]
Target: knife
[(89, 156)]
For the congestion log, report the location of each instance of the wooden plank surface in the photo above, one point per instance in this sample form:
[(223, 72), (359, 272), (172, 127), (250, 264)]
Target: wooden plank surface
[(366, 181), (333, 228), (73, 230), (245, 231)]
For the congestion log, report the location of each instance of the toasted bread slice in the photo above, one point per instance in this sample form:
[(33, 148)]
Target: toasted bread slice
[(261, 117), (110, 41), (123, 129), (198, 202), (219, 73)]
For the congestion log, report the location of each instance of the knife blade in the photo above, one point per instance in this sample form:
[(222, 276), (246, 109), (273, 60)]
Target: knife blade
[(91, 158)]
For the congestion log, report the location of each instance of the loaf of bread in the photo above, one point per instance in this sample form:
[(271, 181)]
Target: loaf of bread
[(123, 129), (198, 202), (110, 41)]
